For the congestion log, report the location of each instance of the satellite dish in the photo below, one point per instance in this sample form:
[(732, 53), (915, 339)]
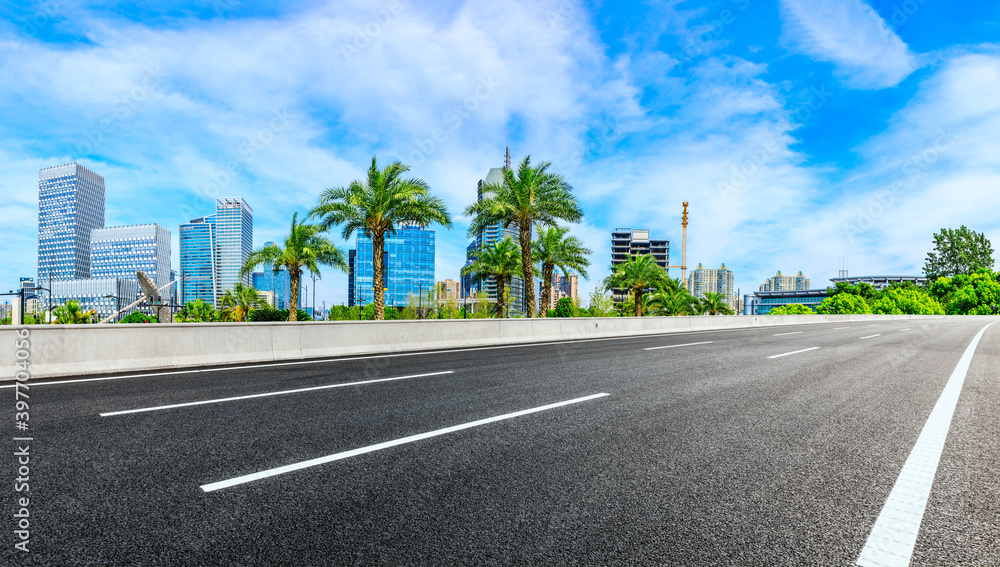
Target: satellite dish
[(148, 287)]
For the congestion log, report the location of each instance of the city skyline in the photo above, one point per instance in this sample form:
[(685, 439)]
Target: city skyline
[(793, 148)]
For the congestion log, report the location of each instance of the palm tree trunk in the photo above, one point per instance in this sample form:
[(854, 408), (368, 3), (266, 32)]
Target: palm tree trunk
[(500, 301), (638, 302), (293, 280), (378, 248), (526, 265), (547, 270)]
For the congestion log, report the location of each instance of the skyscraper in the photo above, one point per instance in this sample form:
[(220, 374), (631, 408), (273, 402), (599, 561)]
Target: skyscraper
[(277, 283), (626, 242), (234, 242), (198, 274), (213, 250), (70, 206), (786, 283), (489, 236), (408, 267), (120, 251), (702, 281)]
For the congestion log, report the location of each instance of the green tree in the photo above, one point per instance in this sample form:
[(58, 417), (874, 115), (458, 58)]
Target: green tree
[(306, 248), (791, 309), (138, 317), (376, 207), (197, 311), (70, 313), (972, 294), (600, 304), (500, 262), (672, 299), (960, 251), (714, 304), (565, 308), (637, 274), (844, 303), (553, 249), (238, 302), (863, 290), (906, 300), (528, 197)]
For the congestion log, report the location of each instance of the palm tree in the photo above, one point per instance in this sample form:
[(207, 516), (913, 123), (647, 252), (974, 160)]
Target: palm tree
[(555, 250), (671, 299), (376, 206), (499, 261), (714, 304), (70, 313), (531, 196), (637, 274), (239, 301), (305, 249), (197, 311)]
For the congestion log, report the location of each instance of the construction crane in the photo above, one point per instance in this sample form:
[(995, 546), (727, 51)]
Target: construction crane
[(684, 247)]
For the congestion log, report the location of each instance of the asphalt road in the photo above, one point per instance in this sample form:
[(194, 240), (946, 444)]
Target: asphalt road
[(699, 454)]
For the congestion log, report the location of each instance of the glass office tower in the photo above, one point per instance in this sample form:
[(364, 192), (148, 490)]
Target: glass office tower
[(197, 242), (233, 242), (70, 206), (120, 251), (408, 262), (280, 284)]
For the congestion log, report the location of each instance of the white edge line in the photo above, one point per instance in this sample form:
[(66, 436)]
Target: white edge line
[(391, 355), (211, 487), (901, 330), (279, 393), (839, 328), (894, 534), (796, 352), (675, 346), (792, 333), (870, 337)]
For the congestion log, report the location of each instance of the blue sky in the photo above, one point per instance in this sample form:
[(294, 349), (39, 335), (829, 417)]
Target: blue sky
[(801, 132)]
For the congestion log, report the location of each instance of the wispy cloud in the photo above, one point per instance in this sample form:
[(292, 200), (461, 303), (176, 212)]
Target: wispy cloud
[(850, 34)]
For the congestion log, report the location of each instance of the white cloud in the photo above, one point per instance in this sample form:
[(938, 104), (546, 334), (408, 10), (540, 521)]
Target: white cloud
[(851, 35)]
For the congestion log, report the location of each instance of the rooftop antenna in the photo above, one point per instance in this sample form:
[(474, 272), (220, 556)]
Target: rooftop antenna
[(842, 273), (506, 158)]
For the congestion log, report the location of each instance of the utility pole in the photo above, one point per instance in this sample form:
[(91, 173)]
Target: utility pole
[(314, 296)]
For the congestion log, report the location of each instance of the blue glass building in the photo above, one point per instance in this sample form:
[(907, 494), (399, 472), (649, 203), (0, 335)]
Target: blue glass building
[(70, 206), (213, 250), (280, 284), (120, 251), (408, 262)]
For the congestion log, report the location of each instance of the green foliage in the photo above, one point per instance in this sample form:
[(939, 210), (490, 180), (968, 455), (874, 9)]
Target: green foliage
[(844, 303), (138, 317), (958, 252), (239, 302), (5, 321), (672, 300), (376, 206), (553, 249), (197, 311), (969, 294), (906, 300), (791, 309), (714, 304), (343, 313), (863, 290), (268, 313), (500, 262), (565, 308), (637, 274), (529, 197), (70, 313), (600, 304)]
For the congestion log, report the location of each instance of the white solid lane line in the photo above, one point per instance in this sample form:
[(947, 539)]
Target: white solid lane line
[(901, 330), (839, 328), (675, 346), (870, 337), (783, 334), (795, 352), (378, 447), (895, 532), (279, 393)]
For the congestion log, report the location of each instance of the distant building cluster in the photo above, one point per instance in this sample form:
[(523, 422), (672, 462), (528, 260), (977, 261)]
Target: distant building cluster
[(785, 283), (563, 286), (702, 280), (213, 251)]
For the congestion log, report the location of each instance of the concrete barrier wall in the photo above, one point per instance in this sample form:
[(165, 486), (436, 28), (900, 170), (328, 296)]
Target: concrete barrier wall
[(77, 350)]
